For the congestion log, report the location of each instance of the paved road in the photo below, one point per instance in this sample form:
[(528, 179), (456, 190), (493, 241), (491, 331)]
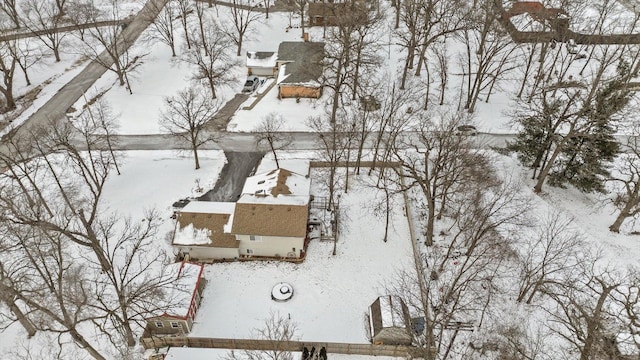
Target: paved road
[(25, 33), (55, 109), (241, 142)]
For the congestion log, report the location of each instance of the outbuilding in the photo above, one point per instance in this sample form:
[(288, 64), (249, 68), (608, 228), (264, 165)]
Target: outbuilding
[(389, 321)]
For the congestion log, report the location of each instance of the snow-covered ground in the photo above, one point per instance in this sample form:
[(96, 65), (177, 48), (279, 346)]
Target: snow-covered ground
[(149, 179), (215, 354), (331, 292)]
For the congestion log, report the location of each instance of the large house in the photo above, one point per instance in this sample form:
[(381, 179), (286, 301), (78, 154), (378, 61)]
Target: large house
[(185, 299), (300, 69), (268, 220)]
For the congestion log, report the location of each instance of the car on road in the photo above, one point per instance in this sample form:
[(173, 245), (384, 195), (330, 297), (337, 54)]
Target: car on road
[(466, 130), (251, 84)]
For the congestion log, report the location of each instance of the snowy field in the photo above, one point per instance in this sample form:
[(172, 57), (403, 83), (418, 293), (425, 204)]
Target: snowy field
[(149, 179), (331, 293)]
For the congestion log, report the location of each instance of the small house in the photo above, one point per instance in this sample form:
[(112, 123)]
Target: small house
[(389, 321), (262, 63), (300, 69), (185, 298)]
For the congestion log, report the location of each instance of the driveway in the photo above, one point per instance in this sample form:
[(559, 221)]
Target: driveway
[(239, 166)]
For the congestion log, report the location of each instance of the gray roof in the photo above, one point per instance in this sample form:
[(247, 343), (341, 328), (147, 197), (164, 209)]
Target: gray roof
[(303, 61), (259, 54)]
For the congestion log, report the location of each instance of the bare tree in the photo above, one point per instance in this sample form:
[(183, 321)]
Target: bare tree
[(185, 8), (243, 18), (44, 18), (186, 115), (582, 314), (547, 255), (81, 12), (210, 56), (26, 56), (269, 131), (626, 183), (164, 28), (299, 6), (438, 163), (9, 8), (106, 46), (60, 185), (278, 331), (8, 64), (58, 292), (98, 119)]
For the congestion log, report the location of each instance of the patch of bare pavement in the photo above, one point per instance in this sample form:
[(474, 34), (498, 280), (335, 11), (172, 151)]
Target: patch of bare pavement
[(239, 166), (221, 119)]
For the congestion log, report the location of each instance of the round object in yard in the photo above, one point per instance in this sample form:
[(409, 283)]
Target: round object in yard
[(282, 292)]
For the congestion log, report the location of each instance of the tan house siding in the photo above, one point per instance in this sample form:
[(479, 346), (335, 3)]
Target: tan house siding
[(163, 325), (270, 245), (299, 91)]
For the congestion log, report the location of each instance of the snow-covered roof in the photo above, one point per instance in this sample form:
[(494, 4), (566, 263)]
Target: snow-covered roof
[(185, 286), (278, 186), (391, 311), (387, 311), (209, 207), (298, 166), (262, 59), (274, 203), (206, 223)]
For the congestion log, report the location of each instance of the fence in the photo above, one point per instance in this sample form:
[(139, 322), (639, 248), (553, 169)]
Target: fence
[(253, 344)]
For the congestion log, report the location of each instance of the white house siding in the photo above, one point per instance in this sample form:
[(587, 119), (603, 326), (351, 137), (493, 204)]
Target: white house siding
[(260, 71), (208, 252), (270, 245)]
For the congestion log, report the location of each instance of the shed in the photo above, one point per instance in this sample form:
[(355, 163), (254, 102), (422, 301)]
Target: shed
[(389, 321)]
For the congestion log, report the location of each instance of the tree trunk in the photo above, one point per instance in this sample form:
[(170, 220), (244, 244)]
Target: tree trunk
[(626, 210), (194, 147), (80, 340), (22, 318)]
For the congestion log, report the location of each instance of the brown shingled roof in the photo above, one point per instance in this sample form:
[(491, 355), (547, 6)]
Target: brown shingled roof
[(213, 222), (270, 220)]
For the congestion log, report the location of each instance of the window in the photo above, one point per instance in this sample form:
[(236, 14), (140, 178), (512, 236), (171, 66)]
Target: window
[(175, 325), (159, 324), (255, 238), (249, 251)]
